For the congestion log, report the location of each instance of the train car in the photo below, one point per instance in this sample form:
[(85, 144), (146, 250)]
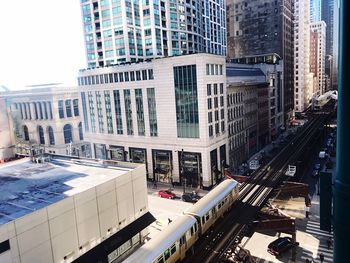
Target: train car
[(214, 204), (170, 245), (173, 242)]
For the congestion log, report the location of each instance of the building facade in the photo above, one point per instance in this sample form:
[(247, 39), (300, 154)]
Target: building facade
[(302, 76), (258, 28), (168, 113), (318, 55), (315, 10), (6, 133), (47, 120), (248, 112), (129, 31), (78, 210)]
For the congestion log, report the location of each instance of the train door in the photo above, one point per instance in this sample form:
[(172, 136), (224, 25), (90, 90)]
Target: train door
[(183, 246)]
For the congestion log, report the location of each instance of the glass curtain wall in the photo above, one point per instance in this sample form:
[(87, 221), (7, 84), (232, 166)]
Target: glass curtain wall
[(152, 112), (140, 112), (118, 112), (162, 165), (186, 98), (128, 112)]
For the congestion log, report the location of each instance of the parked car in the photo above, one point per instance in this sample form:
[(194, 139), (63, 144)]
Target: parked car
[(281, 245), (190, 197), (166, 194), (315, 173)]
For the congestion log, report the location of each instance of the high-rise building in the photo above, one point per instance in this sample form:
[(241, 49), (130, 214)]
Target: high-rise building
[(302, 76), (330, 14), (318, 54), (256, 28), (118, 31), (315, 10)]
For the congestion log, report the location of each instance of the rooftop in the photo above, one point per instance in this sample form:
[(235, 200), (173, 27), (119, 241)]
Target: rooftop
[(26, 186)]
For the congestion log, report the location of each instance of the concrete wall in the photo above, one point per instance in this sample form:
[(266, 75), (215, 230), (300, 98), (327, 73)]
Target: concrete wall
[(76, 224)]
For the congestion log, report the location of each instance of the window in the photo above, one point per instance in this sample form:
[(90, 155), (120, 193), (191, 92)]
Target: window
[(208, 89), (41, 135), (67, 133), (68, 108), (83, 101), (152, 111), (185, 78), (60, 109), (51, 135), (108, 111), (76, 107), (81, 135), (128, 112), (25, 133), (139, 112), (118, 112)]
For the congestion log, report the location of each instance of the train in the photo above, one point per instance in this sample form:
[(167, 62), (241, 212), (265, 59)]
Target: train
[(176, 241)]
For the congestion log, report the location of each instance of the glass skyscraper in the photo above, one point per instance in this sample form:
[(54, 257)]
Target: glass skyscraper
[(117, 31), (315, 11)]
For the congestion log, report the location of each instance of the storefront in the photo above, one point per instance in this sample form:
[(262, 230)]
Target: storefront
[(192, 169), (117, 153), (162, 166), (139, 155), (100, 151)]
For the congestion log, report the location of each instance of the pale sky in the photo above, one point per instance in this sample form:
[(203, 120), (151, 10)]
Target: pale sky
[(41, 41)]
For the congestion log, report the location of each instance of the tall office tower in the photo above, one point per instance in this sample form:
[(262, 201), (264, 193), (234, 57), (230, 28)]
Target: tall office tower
[(123, 30), (315, 10), (263, 27), (318, 54), (330, 14), (302, 76)]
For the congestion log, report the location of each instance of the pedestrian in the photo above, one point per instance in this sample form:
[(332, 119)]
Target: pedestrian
[(321, 257), (169, 221), (329, 243)]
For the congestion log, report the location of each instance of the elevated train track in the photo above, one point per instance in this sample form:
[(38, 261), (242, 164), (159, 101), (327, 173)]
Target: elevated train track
[(253, 194)]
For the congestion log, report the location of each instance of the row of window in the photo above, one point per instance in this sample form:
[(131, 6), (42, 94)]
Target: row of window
[(67, 104), (138, 75), (67, 133), (214, 69), (106, 105), (41, 110)]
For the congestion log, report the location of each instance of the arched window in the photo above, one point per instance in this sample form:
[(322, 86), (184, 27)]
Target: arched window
[(41, 135), (25, 133), (67, 133), (81, 135), (51, 136)]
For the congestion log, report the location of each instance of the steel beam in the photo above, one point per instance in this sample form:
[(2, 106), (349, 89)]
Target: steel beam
[(342, 183)]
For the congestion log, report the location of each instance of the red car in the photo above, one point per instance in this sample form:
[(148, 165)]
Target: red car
[(166, 194)]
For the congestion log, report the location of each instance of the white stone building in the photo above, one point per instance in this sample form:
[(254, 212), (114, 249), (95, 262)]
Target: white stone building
[(168, 113), (65, 210), (47, 119), (303, 79), (320, 28), (6, 134)]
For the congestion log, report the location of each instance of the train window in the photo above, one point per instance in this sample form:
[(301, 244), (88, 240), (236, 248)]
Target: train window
[(182, 240), (213, 210), (161, 259), (195, 227), (173, 249), (167, 254), (191, 231), (207, 217), (203, 220), (219, 206)]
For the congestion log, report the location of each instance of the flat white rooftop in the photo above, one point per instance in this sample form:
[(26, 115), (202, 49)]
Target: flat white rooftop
[(26, 186)]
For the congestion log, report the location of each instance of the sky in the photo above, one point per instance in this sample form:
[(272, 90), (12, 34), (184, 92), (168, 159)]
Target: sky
[(41, 41)]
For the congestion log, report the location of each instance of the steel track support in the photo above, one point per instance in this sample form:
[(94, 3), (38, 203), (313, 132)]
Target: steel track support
[(342, 183)]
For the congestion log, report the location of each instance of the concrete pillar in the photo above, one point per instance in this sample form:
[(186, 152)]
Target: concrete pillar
[(49, 110), (32, 110)]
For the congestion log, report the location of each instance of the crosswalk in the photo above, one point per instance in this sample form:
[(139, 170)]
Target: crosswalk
[(312, 251)]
